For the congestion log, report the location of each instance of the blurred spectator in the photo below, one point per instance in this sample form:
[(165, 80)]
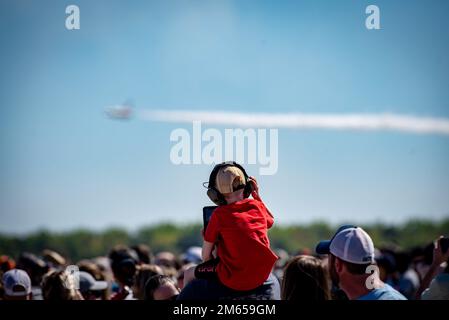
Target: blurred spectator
[(408, 279), (53, 259), (60, 286), (143, 273), (90, 288), (170, 272), (160, 287), (351, 253), (192, 255), (104, 264), (144, 253), (438, 289), (123, 264), (16, 285), (36, 268), (92, 268), (305, 279), (422, 260), (166, 259), (180, 276), (169, 263), (281, 262), (6, 264), (396, 270), (98, 272), (387, 265), (336, 293), (421, 273)]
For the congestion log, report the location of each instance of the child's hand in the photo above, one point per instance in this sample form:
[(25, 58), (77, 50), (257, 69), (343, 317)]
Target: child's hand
[(255, 192)]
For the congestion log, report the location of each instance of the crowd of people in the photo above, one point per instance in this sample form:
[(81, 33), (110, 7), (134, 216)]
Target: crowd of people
[(134, 273), (236, 262)]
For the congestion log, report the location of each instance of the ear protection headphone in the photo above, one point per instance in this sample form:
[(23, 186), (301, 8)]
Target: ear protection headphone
[(212, 191)]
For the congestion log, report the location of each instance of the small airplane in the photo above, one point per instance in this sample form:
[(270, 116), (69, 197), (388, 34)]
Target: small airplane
[(120, 112)]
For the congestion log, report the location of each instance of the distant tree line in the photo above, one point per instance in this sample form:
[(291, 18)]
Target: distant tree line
[(79, 244)]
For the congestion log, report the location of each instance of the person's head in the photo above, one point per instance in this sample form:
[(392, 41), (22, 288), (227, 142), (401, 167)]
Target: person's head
[(192, 255), (305, 278), (99, 273), (386, 263), (90, 288), (34, 266), (92, 268), (228, 183), (160, 287), (144, 253), (143, 273), (59, 286), (123, 265), (104, 265), (351, 252), (53, 259), (167, 260), (342, 271), (16, 285), (6, 264)]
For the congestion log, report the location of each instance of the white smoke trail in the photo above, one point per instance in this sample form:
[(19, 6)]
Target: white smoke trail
[(371, 122)]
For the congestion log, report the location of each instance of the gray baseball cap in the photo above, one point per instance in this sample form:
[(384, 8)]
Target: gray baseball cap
[(88, 283), (16, 283), (351, 244)]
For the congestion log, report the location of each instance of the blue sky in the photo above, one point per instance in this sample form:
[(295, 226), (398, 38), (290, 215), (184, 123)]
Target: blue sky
[(64, 165)]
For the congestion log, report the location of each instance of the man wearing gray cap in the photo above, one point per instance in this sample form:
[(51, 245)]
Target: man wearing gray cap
[(90, 288), (352, 265), (17, 285)]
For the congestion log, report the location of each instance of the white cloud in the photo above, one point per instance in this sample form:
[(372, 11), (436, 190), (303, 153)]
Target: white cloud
[(361, 122)]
